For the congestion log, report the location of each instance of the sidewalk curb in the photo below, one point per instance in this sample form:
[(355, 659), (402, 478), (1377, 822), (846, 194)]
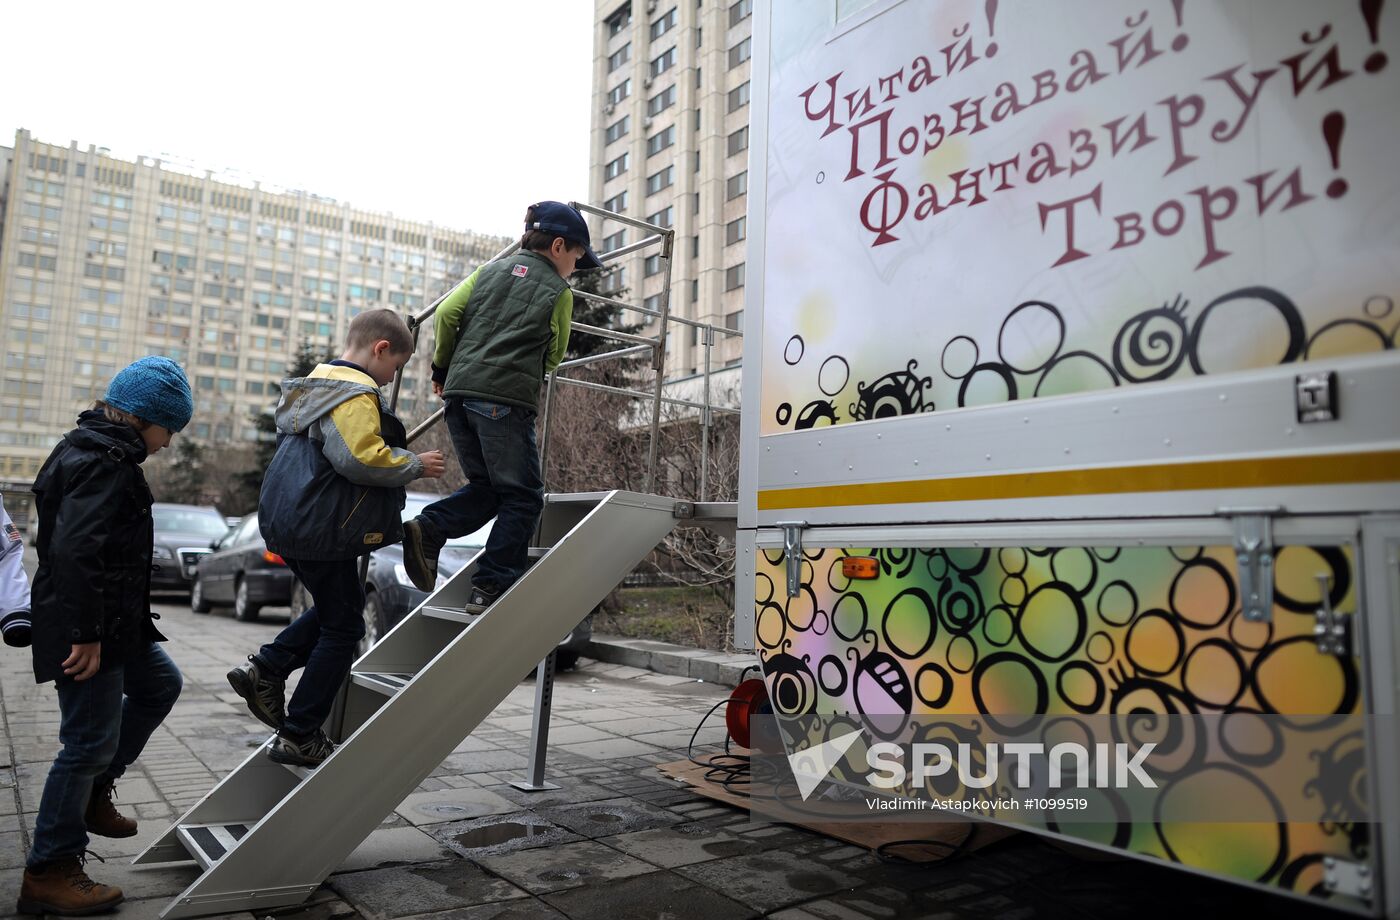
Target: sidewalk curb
[(675, 660)]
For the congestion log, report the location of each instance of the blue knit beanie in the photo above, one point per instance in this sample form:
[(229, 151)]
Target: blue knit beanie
[(154, 389)]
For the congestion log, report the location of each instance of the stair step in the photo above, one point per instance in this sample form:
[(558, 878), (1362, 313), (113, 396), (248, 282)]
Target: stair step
[(575, 498), (387, 684), (535, 552), (208, 843), (449, 613)]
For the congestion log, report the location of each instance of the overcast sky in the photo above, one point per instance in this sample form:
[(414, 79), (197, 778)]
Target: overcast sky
[(460, 113)]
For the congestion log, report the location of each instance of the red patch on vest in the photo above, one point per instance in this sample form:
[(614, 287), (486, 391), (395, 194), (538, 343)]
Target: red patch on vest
[(520, 271)]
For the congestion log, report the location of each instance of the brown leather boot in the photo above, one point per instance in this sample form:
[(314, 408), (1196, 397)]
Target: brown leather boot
[(102, 816), (62, 887)]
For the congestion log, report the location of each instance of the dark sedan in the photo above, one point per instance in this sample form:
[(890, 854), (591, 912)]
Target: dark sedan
[(242, 572), (183, 534), (390, 595)]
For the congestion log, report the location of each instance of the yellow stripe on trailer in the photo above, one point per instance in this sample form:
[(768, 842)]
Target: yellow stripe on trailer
[(1252, 473)]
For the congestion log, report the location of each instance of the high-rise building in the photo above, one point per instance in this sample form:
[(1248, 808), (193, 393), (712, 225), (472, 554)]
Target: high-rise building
[(103, 260), (670, 137)]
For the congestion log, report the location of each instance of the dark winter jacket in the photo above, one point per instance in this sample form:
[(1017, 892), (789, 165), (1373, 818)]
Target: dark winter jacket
[(335, 487), (93, 580)]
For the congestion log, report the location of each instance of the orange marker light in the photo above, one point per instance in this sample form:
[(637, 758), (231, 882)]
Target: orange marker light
[(860, 567), (270, 556)]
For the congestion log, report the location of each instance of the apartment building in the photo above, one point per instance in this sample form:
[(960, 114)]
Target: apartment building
[(103, 260), (670, 145)]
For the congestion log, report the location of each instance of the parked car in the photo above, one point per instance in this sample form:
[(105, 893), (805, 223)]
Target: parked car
[(242, 572), (183, 534), (390, 595)]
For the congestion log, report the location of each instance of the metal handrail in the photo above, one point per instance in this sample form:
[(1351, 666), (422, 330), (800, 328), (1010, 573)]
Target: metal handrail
[(665, 237)]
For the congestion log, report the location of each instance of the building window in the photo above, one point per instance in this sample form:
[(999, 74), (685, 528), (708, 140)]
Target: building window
[(734, 277), (651, 266), (695, 246), (738, 141), (620, 92), (662, 218), (618, 129), (661, 101), (661, 140), (614, 241), (620, 56), (666, 23), (617, 203), (740, 53), (699, 78), (694, 298), (739, 97), (663, 62), (734, 320), (697, 161), (615, 168), (740, 11), (735, 230), (662, 179), (619, 20), (653, 303), (736, 186)]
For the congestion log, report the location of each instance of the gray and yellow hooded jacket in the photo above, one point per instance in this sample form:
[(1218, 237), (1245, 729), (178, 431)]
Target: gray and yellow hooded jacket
[(335, 487)]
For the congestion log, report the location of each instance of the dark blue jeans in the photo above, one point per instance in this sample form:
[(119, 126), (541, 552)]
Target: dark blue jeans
[(322, 640), (105, 722), (496, 448)]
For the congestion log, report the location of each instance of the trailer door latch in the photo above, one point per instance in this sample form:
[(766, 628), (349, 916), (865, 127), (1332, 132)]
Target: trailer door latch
[(1254, 552), (1332, 630), (792, 553)]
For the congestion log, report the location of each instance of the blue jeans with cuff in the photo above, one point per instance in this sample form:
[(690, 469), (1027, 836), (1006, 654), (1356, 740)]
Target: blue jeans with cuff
[(496, 447), (104, 724)]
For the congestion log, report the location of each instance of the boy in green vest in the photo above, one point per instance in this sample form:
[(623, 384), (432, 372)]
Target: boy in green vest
[(498, 335)]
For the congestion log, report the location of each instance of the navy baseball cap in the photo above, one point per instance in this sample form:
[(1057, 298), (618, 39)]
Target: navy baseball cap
[(557, 217)]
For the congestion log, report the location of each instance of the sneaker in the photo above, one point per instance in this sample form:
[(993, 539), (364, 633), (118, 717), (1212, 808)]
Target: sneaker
[(420, 554), (101, 815), (480, 599), (63, 888), (263, 693), (301, 752)]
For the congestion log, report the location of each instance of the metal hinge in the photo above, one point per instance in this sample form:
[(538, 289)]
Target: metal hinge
[(1254, 553), (1333, 629), (1344, 877), (792, 553)]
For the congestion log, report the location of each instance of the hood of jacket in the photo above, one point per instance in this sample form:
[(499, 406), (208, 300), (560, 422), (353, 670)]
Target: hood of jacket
[(306, 400), (96, 432)]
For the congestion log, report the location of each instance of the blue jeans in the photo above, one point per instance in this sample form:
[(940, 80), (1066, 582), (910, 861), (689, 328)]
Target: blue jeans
[(105, 722), (496, 447), (322, 640)]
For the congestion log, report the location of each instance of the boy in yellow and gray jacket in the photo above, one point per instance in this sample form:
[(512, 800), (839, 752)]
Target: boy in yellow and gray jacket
[(333, 492)]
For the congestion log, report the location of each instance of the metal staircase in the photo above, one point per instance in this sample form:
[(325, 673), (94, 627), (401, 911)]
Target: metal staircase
[(268, 834)]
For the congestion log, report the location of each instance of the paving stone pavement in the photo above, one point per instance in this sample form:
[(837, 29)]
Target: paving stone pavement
[(617, 841)]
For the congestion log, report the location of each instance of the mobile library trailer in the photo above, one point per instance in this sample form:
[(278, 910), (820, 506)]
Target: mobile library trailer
[(1074, 325)]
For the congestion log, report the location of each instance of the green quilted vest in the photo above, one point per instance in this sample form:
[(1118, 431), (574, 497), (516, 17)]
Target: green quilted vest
[(505, 333)]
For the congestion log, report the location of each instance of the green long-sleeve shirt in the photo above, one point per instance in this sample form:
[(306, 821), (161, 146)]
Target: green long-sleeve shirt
[(448, 319)]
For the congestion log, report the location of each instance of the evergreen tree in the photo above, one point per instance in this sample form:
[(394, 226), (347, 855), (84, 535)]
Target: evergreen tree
[(184, 483), (592, 313), (304, 361)]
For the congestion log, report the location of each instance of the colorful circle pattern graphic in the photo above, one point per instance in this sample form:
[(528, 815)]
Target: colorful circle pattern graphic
[(1073, 631)]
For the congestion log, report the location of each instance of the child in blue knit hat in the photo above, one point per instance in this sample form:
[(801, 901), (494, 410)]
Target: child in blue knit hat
[(92, 630)]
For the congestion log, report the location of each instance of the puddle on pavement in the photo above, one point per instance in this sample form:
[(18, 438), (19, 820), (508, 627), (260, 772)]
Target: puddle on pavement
[(441, 809), (606, 817), (495, 834)]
